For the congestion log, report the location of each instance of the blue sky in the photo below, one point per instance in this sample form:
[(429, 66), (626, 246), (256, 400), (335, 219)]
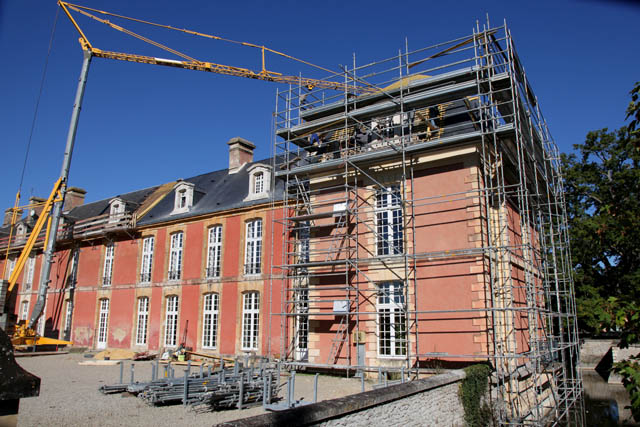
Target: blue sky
[(143, 125)]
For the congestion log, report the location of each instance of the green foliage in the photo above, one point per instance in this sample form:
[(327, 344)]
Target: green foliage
[(603, 204), (472, 391), (602, 187), (630, 372)]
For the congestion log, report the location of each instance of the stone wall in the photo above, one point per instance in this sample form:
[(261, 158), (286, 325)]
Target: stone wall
[(431, 401)]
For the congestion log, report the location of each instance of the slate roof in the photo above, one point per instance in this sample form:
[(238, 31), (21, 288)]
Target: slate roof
[(100, 207), (218, 191), (214, 192)]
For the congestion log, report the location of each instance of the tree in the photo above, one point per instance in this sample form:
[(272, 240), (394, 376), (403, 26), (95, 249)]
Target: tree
[(602, 185)]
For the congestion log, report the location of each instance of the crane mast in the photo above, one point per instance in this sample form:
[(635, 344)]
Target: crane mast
[(56, 202)]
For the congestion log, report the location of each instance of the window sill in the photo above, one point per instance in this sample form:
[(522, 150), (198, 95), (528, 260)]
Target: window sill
[(385, 357)]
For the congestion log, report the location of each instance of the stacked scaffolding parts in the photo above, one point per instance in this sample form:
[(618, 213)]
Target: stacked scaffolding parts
[(377, 230)]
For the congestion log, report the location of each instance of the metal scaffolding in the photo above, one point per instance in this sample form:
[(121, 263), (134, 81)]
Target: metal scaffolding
[(355, 220)]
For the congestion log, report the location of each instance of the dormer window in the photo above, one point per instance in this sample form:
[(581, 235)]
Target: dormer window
[(21, 231), (184, 197), (259, 181), (116, 209)]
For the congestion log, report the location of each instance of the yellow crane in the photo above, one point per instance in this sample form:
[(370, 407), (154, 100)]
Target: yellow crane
[(190, 63), (52, 210)]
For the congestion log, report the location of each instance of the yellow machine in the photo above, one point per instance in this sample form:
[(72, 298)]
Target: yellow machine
[(25, 334)]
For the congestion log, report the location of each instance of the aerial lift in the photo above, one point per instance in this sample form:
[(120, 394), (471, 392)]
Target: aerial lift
[(52, 211)]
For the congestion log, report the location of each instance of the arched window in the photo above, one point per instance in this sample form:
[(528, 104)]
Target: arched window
[(103, 323), (210, 307), (171, 322), (250, 320), (143, 320)]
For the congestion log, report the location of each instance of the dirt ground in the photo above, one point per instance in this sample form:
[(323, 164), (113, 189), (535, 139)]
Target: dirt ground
[(69, 396)]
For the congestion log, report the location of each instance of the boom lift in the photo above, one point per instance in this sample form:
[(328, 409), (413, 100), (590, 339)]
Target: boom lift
[(52, 211)]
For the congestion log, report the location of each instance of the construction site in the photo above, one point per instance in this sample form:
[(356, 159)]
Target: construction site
[(410, 220)]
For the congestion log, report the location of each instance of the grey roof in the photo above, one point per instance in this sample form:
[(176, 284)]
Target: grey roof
[(89, 210), (214, 192)]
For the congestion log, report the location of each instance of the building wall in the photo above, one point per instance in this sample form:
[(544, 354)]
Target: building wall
[(442, 224), (125, 287)]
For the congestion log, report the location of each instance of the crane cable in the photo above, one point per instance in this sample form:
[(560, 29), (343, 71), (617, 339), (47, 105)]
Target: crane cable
[(35, 114), (78, 8), (26, 155)]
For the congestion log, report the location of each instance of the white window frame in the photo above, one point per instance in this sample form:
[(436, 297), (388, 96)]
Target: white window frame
[(389, 221), (21, 233), (24, 310), (302, 324), (253, 247), (11, 266), (183, 197), (116, 210), (258, 182), (146, 265), (210, 318), (175, 256), (28, 276), (214, 252), (171, 321), (107, 271), (391, 322), (250, 321), (103, 324), (142, 323), (67, 317)]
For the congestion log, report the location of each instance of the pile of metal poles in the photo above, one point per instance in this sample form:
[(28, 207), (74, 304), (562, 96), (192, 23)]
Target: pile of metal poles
[(238, 386)]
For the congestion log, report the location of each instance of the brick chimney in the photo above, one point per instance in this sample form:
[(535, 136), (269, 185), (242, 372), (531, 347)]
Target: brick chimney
[(7, 216), (240, 153), (36, 209), (73, 198)]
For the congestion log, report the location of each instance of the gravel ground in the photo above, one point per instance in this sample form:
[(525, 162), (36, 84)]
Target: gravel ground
[(69, 396)]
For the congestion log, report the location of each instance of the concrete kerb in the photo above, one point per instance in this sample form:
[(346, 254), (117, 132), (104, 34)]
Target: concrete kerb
[(334, 408)]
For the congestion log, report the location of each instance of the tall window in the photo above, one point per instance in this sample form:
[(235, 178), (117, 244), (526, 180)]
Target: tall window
[(182, 199), (147, 259), (214, 251), (10, 267), (392, 336), (389, 225), (108, 265), (143, 319), (302, 324), (253, 249), (258, 182), (67, 317), (171, 325), (210, 320), (28, 279), (103, 322), (250, 320), (175, 257), (24, 310)]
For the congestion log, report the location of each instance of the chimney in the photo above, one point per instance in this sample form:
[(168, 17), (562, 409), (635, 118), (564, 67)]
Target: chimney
[(73, 198), (7, 216), (240, 153), (36, 210)]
